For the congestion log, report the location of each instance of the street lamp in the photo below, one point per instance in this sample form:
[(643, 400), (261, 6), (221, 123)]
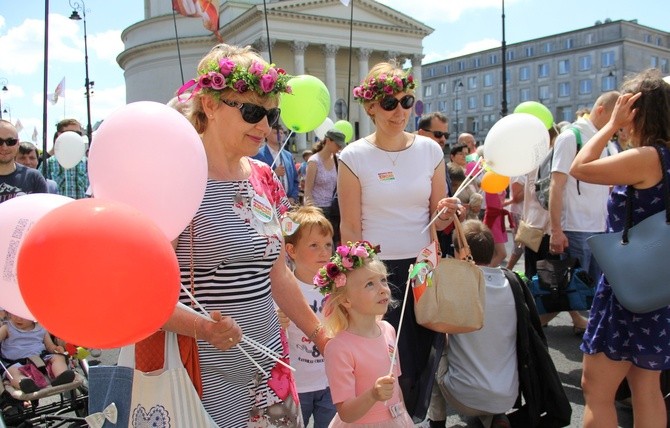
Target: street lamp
[(457, 87), (4, 84), (77, 6), (8, 110)]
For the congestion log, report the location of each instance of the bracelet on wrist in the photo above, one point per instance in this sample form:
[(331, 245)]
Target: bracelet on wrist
[(195, 328), (315, 333)]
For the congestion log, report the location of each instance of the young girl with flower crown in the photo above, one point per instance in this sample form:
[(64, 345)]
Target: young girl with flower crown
[(364, 386)]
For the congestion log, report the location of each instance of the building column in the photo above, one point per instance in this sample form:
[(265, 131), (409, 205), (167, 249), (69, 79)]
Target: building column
[(416, 72), (331, 77), (264, 49), (298, 49), (364, 123)]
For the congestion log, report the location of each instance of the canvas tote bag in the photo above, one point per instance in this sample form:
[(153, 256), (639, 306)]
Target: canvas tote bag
[(453, 292)]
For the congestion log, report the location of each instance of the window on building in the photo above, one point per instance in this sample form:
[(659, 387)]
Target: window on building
[(510, 55), (564, 89), (647, 38), (443, 106), (565, 113), (664, 66), (585, 86), (510, 98), (569, 43), (589, 39), (564, 66), (488, 100), (585, 63), (448, 68), (607, 59), (472, 102), (493, 59), (472, 82), (428, 91), (543, 92), (461, 65), (608, 83), (547, 47), (488, 79), (457, 104), (543, 70), (442, 88), (529, 51), (659, 41), (427, 107), (524, 94), (524, 73), (654, 62), (476, 62)]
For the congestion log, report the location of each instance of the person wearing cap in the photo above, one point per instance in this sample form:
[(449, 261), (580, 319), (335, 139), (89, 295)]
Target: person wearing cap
[(321, 177), (281, 161)]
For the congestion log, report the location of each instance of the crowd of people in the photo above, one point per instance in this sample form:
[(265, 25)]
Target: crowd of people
[(327, 291)]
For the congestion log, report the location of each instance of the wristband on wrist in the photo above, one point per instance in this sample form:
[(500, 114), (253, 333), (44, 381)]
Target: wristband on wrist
[(315, 333)]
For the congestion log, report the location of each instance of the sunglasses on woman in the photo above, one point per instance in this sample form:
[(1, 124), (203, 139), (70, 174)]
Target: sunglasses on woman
[(9, 142), (252, 113), (389, 103)]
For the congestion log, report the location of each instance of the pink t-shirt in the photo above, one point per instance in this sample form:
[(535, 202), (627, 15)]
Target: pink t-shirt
[(353, 365)]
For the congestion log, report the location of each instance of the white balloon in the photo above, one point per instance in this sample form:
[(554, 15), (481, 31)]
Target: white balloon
[(321, 130), (69, 149), (667, 79), (516, 144), (17, 216)]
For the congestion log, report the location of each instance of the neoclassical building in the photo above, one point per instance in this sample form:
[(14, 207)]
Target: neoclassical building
[(305, 37)]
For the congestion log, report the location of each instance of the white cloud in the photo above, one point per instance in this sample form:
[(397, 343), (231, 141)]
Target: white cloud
[(106, 45)]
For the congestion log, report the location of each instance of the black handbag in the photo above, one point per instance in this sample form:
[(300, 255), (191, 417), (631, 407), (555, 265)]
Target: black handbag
[(634, 260), (561, 285)]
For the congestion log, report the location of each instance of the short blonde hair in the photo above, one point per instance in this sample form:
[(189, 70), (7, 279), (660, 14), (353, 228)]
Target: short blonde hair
[(308, 217)]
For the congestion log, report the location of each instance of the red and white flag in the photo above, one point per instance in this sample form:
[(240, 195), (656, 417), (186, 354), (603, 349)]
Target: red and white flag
[(208, 10), (59, 92), (18, 125), (35, 134)]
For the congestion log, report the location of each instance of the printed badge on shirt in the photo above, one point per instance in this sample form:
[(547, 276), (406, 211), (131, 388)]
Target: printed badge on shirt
[(385, 176)]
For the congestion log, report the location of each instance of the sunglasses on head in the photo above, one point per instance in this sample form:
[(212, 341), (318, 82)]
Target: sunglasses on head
[(438, 134), (9, 142), (389, 103), (252, 113)]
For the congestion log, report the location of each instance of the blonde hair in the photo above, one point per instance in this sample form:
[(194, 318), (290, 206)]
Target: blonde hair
[(390, 68), (308, 217), (337, 317), (243, 56)]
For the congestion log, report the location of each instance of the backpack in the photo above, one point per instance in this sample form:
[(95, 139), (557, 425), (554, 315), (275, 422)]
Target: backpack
[(544, 173)]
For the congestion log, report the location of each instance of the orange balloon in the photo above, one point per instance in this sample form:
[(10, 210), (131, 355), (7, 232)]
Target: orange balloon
[(494, 183), (98, 273)]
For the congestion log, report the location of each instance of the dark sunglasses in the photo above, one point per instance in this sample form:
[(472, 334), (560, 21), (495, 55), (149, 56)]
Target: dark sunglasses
[(438, 134), (252, 113), (9, 142), (389, 103)]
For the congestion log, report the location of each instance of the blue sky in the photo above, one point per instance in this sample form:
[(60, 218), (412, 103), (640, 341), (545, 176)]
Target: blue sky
[(461, 26)]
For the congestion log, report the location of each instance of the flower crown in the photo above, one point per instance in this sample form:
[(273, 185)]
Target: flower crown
[(346, 258), (225, 73), (376, 88)]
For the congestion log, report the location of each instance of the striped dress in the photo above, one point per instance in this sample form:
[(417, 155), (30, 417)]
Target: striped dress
[(233, 252)]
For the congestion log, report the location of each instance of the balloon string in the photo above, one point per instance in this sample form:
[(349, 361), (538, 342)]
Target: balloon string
[(274, 161), (9, 375), (402, 314), (245, 339), (468, 179)]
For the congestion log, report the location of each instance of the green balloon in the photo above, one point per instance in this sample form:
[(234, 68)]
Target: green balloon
[(346, 128), (307, 106), (538, 110)]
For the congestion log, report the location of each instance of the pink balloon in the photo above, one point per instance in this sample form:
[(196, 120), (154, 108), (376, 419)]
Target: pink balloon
[(147, 155), (17, 216)]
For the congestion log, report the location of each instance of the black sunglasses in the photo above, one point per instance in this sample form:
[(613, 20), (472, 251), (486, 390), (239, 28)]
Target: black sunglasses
[(9, 142), (252, 113), (438, 134), (389, 103)]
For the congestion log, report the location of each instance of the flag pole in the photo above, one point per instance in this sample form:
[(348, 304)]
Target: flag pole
[(267, 31), (44, 95), (176, 36)]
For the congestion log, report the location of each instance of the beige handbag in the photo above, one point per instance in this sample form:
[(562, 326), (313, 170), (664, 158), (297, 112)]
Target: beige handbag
[(529, 236), (453, 298)]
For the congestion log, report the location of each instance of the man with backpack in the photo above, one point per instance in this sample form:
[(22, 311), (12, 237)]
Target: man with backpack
[(578, 210)]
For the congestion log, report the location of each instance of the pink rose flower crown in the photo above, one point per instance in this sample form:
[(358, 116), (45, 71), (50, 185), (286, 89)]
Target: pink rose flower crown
[(259, 77), (376, 88), (346, 258)]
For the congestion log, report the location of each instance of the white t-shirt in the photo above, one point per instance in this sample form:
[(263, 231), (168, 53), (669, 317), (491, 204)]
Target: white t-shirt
[(482, 370), (395, 193), (586, 210), (310, 370)]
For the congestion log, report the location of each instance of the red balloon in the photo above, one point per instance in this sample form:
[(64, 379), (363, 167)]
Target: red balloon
[(98, 273)]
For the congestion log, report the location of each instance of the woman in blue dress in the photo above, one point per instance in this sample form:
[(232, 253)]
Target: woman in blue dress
[(618, 343)]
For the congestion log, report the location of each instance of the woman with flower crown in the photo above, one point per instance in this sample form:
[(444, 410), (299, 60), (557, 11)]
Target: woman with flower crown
[(390, 184), (232, 256), (361, 365)]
